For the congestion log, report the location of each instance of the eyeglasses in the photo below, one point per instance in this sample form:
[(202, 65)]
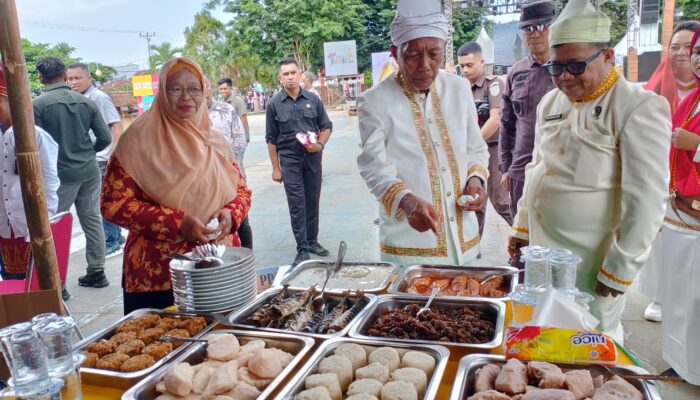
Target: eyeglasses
[(178, 91), (574, 68), (533, 28)]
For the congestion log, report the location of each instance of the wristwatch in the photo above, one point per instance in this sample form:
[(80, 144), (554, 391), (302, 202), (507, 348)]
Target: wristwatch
[(323, 146)]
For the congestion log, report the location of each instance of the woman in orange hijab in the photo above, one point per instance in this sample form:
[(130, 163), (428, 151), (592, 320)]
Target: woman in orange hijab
[(170, 174), (674, 80)]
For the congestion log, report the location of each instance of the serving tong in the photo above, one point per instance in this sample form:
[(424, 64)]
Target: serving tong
[(318, 302)]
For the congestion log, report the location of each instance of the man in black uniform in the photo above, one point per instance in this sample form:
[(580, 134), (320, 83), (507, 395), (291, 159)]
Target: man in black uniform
[(298, 167), (487, 90)]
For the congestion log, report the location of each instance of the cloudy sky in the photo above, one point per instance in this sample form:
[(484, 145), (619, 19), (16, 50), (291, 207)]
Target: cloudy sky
[(107, 31)]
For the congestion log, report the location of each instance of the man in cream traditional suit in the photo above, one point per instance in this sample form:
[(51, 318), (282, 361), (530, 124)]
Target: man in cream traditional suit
[(421, 147), (598, 181)]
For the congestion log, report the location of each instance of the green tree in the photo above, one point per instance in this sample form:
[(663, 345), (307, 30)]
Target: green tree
[(162, 53), (273, 29), (203, 42), (617, 11), (35, 51), (101, 73), (689, 8), (467, 22)]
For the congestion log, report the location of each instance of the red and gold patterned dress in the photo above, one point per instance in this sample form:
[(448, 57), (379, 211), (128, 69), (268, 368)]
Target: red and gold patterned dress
[(153, 228)]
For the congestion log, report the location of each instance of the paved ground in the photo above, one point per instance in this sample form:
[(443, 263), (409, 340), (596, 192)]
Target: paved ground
[(347, 213)]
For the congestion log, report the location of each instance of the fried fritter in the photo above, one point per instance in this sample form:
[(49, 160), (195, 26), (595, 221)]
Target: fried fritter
[(168, 323), (112, 362), (194, 325), (90, 360), (149, 320), (137, 363), (131, 348), (121, 338), (150, 335), (158, 350), (178, 333), (101, 347), (130, 325)]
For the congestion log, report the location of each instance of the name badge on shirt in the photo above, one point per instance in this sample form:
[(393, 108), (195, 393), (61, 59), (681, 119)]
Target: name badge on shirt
[(553, 117)]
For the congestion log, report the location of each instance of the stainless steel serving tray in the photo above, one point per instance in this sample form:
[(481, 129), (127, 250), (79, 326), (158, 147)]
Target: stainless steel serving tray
[(466, 373), (439, 353), (494, 309), (401, 283), (195, 354), (124, 380), (380, 288), (237, 319)]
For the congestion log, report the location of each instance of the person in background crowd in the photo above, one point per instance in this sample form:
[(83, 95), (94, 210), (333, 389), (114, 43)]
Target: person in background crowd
[(170, 174), (597, 184), (224, 119), (674, 80), (681, 236), (68, 117), (308, 82), (421, 147), (297, 166), (80, 80), (487, 90), (15, 250), (526, 84), (230, 95)]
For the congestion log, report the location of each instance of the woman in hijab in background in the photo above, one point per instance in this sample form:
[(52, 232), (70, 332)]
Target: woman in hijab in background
[(674, 80), (170, 174), (681, 237)]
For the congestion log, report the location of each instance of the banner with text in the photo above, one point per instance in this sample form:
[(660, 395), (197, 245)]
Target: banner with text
[(340, 58)]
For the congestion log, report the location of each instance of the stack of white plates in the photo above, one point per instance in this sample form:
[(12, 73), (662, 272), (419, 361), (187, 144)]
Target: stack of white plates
[(217, 289)]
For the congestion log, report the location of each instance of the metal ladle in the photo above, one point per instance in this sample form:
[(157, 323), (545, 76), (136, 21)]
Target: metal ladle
[(597, 369), (492, 276)]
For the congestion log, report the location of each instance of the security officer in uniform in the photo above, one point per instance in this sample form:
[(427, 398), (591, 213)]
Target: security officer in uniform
[(291, 111), (487, 90), (525, 86)]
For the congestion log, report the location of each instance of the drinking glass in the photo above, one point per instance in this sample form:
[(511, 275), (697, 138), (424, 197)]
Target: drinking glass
[(537, 270), (29, 372), (56, 337), (564, 265)]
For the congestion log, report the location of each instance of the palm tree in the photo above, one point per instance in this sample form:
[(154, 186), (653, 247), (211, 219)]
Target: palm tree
[(162, 53)]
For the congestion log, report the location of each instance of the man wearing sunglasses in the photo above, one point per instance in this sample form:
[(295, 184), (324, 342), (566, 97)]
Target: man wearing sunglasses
[(526, 84), (597, 184)]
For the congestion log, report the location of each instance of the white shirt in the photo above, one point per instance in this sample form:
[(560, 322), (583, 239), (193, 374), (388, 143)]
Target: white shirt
[(109, 114), (432, 159), (12, 218)]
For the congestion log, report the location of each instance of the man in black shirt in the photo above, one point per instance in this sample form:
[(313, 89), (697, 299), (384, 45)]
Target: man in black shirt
[(298, 167)]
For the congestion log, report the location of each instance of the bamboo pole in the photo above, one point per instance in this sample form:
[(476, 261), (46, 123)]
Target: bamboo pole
[(32, 183)]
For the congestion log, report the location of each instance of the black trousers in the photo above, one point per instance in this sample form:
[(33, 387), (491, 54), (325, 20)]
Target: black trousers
[(245, 233), (301, 176)]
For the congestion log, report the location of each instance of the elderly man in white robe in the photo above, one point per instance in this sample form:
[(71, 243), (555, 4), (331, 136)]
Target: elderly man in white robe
[(598, 181), (421, 147)]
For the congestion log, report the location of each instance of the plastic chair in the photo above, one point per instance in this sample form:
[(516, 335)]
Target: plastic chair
[(62, 231)]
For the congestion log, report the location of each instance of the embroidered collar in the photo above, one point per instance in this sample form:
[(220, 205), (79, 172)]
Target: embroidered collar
[(603, 88)]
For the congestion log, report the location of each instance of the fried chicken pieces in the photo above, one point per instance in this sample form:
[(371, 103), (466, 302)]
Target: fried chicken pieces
[(136, 344), (226, 371)]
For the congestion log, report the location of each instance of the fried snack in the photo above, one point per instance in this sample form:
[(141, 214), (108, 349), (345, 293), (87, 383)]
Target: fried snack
[(121, 338), (101, 348), (112, 362), (193, 325), (137, 363), (168, 323), (150, 335), (148, 320), (131, 348), (158, 350), (130, 325), (90, 360), (178, 333)]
